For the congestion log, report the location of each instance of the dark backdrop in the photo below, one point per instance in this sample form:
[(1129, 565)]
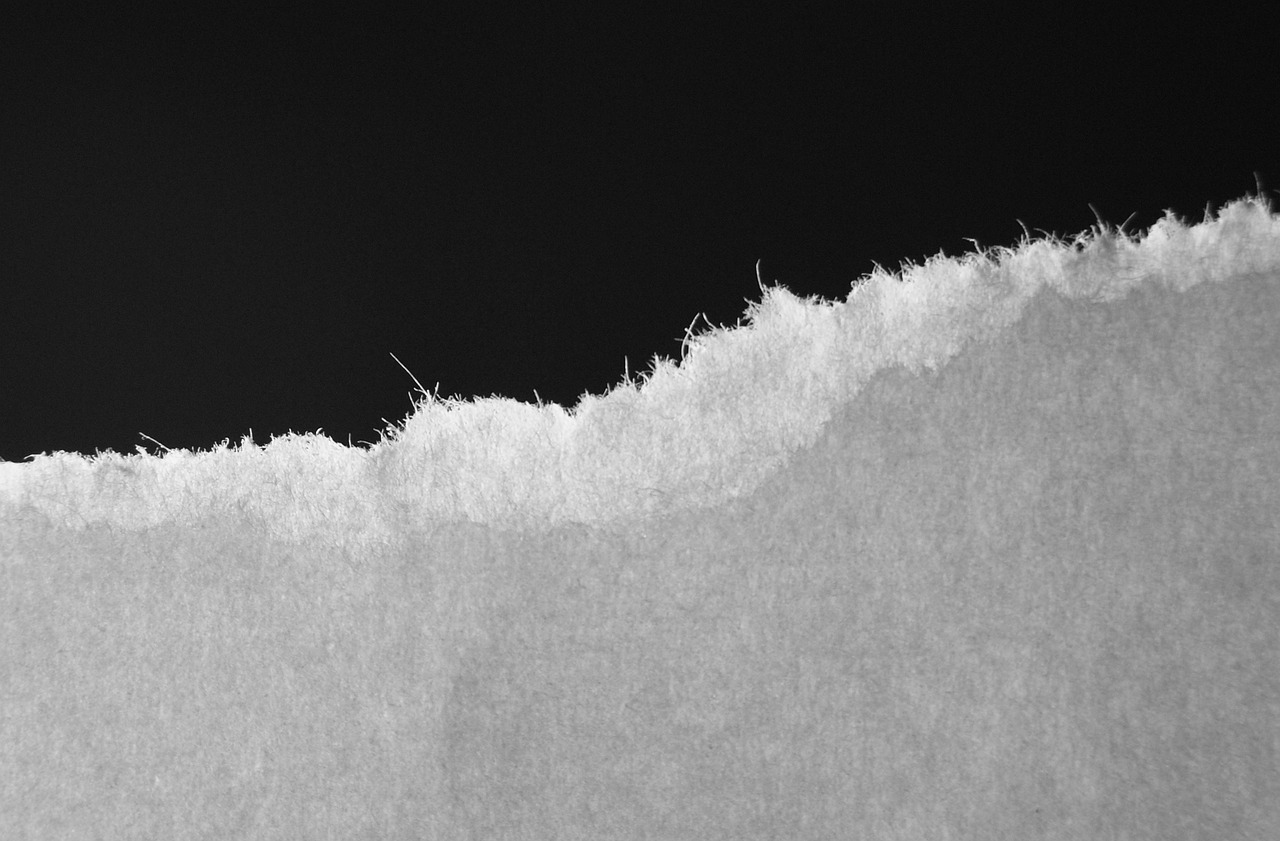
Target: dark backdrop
[(210, 224)]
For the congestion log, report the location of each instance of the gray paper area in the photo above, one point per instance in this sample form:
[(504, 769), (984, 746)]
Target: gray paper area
[(1031, 594)]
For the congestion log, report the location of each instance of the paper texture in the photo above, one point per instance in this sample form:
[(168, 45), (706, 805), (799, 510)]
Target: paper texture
[(991, 553)]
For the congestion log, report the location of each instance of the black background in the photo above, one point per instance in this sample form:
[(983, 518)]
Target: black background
[(211, 224)]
